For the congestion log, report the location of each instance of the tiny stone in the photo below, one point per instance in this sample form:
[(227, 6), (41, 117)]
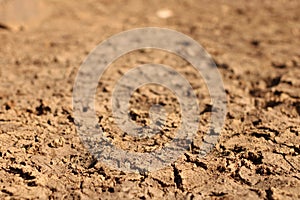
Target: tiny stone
[(164, 13)]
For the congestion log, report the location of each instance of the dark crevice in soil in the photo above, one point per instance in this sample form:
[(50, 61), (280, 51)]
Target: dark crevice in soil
[(297, 106), (217, 194), (32, 184), (24, 175), (255, 158), (274, 81), (270, 129), (208, 108), (297, 177), (195, 161), (42, 109), (238, 149), (284, 157), (7, 192), (296, 149), (269, 194), (263, 135), (92, 164), (177, 177), (272, 104), (161, 183), (2, 26)]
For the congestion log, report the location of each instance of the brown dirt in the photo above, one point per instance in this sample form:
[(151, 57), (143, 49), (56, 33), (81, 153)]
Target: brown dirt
[(256, 47)]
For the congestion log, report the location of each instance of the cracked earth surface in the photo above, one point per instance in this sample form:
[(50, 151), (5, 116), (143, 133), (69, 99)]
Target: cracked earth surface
[(256, 48)]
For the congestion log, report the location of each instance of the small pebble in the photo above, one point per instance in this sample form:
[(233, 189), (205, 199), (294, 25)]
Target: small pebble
[(164, 13)]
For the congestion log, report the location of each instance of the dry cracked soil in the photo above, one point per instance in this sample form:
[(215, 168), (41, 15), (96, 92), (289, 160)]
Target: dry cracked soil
[(255, 45)]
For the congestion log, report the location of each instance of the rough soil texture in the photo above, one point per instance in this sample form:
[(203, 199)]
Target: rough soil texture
[(256, 47)]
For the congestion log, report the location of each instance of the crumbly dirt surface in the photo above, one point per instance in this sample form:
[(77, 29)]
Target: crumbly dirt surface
[(256, 47)]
